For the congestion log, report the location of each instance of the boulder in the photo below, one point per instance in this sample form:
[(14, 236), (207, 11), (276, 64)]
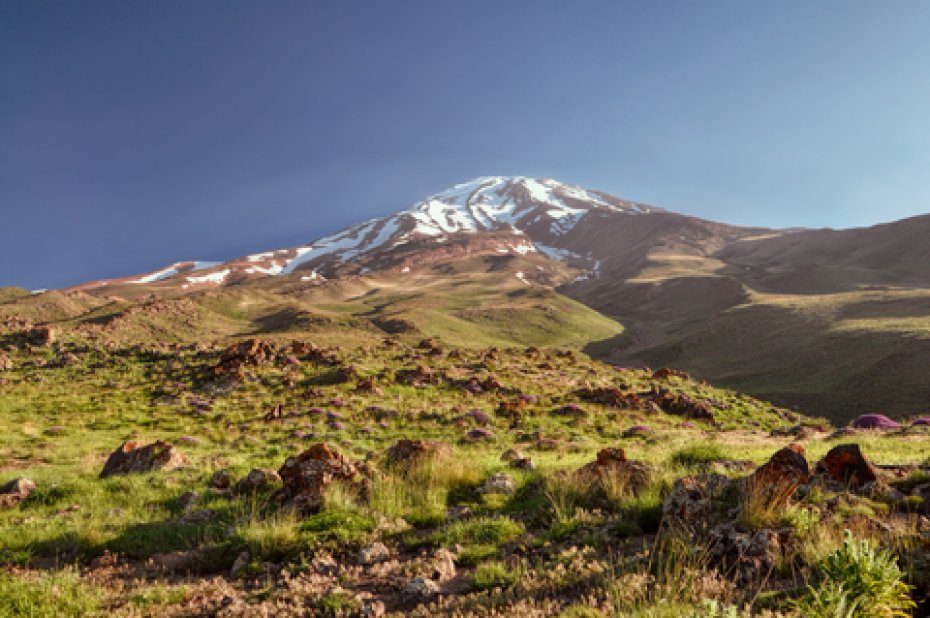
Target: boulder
[(408, 452), (15, 491), (691, 502), (747, 557), (307, 476), (499, 483), (479, 433), (6, 363), (40, 335), (258, 479), (614, 461), (847, 465), (775, 481), (132, 457), (511, 455), (371, 554), (421, 587)]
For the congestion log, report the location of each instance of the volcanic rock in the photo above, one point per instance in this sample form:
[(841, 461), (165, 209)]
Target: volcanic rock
[(775, 481), (846, 464), (307, 476), (132, 457), (407, 452), (258, 479)]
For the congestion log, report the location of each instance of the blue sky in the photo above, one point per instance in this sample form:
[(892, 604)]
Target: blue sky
[(136, 133)]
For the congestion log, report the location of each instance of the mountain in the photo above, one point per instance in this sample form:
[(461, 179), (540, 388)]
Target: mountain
[(506, 215), (833, 322)]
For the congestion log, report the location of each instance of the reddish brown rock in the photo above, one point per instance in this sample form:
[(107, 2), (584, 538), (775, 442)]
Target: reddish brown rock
[(421, 376), (369, 386), (406, 452), (682, 405), (775, 481), (307, 476), (131, 457), (846, 464), (610, 396), (614, 461), (665, 373), (40, 335)]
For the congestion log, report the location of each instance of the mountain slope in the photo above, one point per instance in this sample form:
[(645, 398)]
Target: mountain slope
[(832, 322)]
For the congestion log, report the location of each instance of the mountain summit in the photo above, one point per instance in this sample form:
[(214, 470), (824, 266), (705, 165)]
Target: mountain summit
[(537, 215)]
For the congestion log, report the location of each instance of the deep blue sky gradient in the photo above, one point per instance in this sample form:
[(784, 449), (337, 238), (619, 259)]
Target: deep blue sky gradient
[(137, 133)]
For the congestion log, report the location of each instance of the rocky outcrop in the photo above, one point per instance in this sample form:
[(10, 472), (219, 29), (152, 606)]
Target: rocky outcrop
[(307, 476), (131, 457), (683, 405), (847, 465), (775, 482), (693, 499)]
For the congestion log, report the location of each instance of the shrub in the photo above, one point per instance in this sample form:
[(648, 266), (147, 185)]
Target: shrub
[(494, 574), (697, 455), (857, 580), (483, 531)]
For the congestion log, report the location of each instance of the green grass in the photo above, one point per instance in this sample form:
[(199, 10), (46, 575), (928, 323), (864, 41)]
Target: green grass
[(51, 593)]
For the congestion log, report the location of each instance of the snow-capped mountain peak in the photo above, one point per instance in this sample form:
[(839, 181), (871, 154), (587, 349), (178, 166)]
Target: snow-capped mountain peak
[(542, 211)]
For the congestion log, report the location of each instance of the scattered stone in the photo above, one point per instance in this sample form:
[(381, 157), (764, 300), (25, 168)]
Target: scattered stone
[(220, 480), (572, 410), (258, 479), (131, 457), (372, 608), (6, 363), (407, 452), (665, 373), (691, 500), (188, 499), (683, 405), (369, 386), (510, 455), (523, 463), (178, 561), (16, 491), (746, 556), (443, 565), (459, 512), (376, 552), (40, 335), (614, 461), (638, 431), (306, 476), (499, 483), (241, 562), (846, 464), (479, 433), (479, 417), (421, 587)]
